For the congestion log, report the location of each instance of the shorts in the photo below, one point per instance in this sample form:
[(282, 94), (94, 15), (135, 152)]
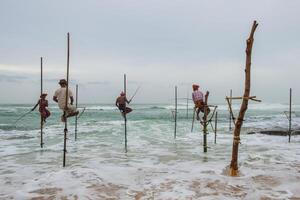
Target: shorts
[(71, 109), (199, 104), (122, 107)]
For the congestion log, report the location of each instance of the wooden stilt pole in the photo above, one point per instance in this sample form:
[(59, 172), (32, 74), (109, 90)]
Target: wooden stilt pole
[(193, 121), (42, 121), (216, 126), (125, 116), (244, 106), (66, 104), (187, 105), (205, 123), (175, 114), (76, 117), (230, 102), (290, 116)]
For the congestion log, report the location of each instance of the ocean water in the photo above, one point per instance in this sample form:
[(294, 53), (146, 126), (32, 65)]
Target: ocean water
[(156, 166)]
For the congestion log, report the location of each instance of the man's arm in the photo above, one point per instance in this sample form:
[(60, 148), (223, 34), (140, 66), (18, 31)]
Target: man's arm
[(55, 99), (117, 102), (72, 100), (35, 105), (71, 96), (55, 96), (127, 101)]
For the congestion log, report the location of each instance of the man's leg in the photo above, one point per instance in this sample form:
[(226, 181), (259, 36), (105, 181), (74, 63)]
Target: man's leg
[(72, 111), (128, 110), (198, 111)]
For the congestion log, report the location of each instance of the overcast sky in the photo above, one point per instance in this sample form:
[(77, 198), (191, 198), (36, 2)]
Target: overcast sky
[(157, 43)]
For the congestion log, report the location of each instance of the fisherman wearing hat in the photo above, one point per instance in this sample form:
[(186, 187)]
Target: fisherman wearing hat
[(198, 100), (121, 104), (43, 104), (60, 98)]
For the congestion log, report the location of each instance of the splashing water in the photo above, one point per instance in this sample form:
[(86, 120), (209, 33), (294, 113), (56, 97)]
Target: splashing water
[(156, 166)]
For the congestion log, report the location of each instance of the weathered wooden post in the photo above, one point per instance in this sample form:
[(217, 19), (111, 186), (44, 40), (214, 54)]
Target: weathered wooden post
[(193, 121), (290, 116), (187, 105), (125, 114), (216, 124), (175, 114), (205, 122), (244, 106), (230, 102), (66, 103), (42, 121), (76, 117)]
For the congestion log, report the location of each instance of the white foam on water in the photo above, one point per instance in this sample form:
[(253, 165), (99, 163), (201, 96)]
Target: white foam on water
[(155, 166)]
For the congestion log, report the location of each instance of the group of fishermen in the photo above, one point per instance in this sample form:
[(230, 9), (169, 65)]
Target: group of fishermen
[(60, 98), (121, 101)]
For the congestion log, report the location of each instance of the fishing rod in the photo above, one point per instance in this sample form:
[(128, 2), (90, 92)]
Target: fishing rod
[(84, 108), (135, 93), (22, 116)]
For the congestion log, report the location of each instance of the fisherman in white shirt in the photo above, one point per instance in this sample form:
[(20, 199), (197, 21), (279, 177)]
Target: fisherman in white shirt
[(60, 98)]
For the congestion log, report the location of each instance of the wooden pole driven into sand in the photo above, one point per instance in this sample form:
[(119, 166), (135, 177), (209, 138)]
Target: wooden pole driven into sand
[(193, 121), (216, 126), (230, 102), (175, 114), (66, 103), (125, 116), (205, 122), (42, 121), (244, 106), (290, 116), (76, 117), (187, 105)]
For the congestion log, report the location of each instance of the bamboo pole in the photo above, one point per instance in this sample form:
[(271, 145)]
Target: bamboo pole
[(205, 123), (187, 105), (230, 102), (253, 98), (193, 121), (66, 103), (76, 117), (230, 110), (175, 114), (244, 106), (290, 116), (125, 116), (216, 126), (42, 121)]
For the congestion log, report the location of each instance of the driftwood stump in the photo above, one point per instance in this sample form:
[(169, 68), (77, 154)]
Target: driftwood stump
[(244, 106), (205, 122)]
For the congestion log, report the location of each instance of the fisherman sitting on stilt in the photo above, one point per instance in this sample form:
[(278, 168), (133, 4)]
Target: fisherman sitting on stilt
[(43, 104), (60, 98), (121, 104), (198, 100)]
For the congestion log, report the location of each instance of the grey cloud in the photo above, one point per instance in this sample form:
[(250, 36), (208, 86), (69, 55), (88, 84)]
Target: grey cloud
[(12, 78), (99, 82)]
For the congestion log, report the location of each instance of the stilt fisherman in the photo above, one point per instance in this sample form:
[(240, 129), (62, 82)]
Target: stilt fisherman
[(198, 100), (43, 104), (60, 98), (121, 104)]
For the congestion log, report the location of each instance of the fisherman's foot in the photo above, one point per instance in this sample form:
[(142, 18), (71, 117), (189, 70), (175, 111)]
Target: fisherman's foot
[(198, 118)]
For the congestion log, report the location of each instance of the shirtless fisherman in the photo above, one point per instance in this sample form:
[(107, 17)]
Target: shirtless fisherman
[(121, 104)]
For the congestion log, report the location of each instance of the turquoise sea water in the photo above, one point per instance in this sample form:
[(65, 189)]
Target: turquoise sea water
[(156, 166)]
